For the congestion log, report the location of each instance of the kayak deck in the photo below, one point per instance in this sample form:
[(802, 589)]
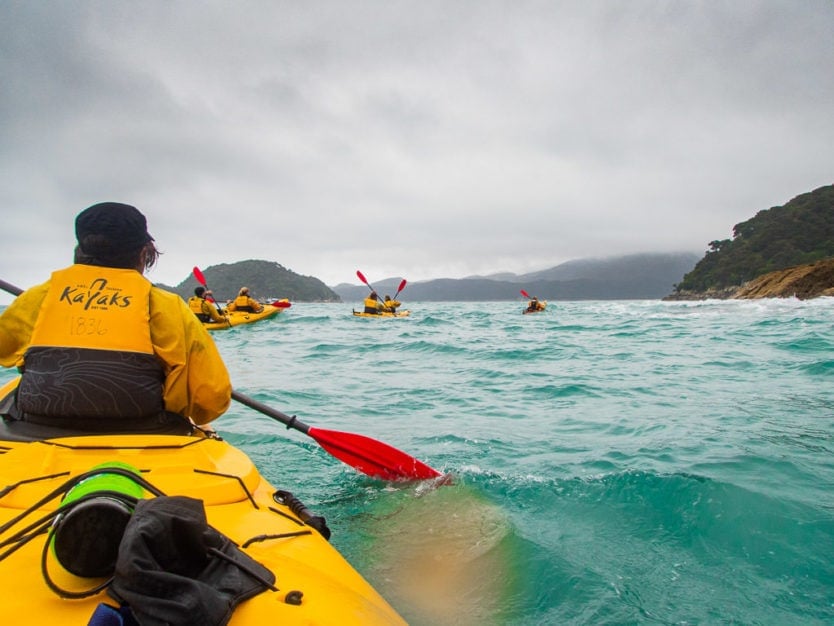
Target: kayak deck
[(238, 502), (542, 307), (237, 318), (385, 314)]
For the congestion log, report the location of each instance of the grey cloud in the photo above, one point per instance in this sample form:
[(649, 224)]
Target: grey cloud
[(411, 138)]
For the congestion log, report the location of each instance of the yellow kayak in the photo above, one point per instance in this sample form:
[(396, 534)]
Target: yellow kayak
[(236, 318), (405, 313), (542, 307), (313, 583)]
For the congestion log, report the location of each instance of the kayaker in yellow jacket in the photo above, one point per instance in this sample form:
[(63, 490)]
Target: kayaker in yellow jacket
[(534, 305), (100, 349), (390, 305), (372, 304), (245, 303), (201, 307)]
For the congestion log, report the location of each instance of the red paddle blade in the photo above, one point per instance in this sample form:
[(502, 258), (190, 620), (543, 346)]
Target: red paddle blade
[(525, 294), (372, 457), (202, 280), (402, 286), (282, 304), (361, 277), (199, 276)]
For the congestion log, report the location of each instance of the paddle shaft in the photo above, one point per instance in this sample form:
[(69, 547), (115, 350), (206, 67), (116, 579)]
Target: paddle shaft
[(369, 456), (15, 291), (260, 407)]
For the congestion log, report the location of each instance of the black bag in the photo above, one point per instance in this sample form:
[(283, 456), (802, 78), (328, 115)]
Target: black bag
[(174, 569)]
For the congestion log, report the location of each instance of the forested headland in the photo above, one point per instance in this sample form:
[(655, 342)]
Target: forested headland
[(800, 233)]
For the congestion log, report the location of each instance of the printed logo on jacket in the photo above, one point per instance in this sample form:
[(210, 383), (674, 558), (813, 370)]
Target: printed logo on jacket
[(99, 295), (94, 307)]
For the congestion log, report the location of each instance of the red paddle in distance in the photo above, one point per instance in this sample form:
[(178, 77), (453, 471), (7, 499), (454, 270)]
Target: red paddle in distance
[(202, 280), (364, 280)]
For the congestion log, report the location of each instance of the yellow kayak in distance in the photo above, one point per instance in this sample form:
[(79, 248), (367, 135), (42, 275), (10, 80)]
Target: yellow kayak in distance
[(314, 584), (542, 307), (384, 314), (237, 318)]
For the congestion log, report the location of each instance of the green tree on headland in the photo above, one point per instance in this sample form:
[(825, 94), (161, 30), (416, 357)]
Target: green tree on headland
[(801, 231)]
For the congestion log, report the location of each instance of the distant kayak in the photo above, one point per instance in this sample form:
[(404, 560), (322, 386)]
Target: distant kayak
[(542, 307), (236, 318), (405, 313)]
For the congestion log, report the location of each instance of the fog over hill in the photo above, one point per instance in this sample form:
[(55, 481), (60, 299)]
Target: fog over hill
[(636, 276)]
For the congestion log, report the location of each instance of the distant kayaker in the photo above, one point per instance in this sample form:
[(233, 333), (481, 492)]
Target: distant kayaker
[(245, 303), (102, 350), (534, 305), (203, 307), (390, 305), (372, 303)]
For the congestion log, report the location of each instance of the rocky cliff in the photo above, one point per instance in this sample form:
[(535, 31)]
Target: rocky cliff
[(807, 281), (803, 282)]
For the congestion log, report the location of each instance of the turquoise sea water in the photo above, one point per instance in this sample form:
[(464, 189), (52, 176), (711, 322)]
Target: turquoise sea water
[(633, 462), (614, 462)]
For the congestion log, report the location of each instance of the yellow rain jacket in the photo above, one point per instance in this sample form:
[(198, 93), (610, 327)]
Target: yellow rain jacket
[(245, 303), (204, 310), (391, 305), (86, 310), (372, 305)]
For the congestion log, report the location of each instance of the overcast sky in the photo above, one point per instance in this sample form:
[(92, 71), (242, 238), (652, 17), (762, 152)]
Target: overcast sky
[(418, 139)]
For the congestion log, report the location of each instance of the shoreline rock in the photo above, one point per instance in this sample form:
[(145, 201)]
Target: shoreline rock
[(725, 293), (811, 280)]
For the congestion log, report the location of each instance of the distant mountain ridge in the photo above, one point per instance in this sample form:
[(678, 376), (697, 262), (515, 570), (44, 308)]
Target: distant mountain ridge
[(630, 277)]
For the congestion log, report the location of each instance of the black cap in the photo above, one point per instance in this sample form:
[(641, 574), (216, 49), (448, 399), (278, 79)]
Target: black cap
[(199, 291), (110, 226)]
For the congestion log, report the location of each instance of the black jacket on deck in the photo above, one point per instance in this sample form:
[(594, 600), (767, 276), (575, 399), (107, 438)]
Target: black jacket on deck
[(175, 569)]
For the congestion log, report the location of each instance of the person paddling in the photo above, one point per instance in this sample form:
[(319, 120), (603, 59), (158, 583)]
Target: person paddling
[(372, 304), (534, 305), (390, 305), (102, 350), (203, 308), (245, 303)]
